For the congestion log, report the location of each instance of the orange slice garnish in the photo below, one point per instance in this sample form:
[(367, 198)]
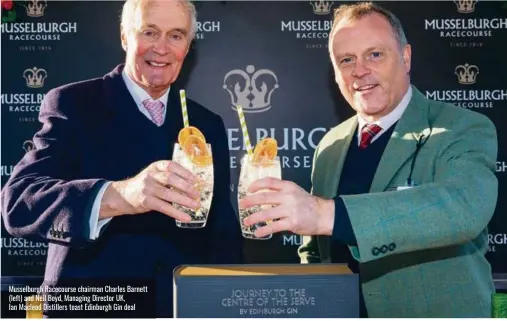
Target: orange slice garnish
[(196, 150), (265, 151), (189, 131)]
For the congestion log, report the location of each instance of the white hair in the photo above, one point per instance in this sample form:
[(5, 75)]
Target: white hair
[(131, 6)]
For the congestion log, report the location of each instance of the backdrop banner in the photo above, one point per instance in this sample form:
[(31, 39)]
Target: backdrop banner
[(272, 58)]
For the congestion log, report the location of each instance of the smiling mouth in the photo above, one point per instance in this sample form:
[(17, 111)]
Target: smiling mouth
[(157, 64), (365, 88)]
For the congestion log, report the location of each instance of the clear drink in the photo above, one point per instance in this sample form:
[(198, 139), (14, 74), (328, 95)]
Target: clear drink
[(204, 173), (251, 172)]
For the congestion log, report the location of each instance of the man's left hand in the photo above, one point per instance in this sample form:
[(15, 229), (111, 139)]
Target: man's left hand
[(295, 210)]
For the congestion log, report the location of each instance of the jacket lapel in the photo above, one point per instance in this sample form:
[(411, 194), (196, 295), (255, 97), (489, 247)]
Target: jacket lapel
[(334, 155), (411, 127), (337, 154), (117, 97)]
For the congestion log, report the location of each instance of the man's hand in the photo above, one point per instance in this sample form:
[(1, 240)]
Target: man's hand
[(150, 190), (296, 210)]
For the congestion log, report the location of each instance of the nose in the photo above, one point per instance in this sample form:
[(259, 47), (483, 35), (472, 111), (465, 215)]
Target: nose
[(161, 46), (360, 69)]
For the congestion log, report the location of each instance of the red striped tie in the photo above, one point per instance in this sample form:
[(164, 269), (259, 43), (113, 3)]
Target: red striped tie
[(369, 131)]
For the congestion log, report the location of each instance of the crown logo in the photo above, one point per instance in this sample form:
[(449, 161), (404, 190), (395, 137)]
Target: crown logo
[(465, 6), (466, 73), (251, 89), (35, 77), (28, 145), (321, 7), (35, 8)]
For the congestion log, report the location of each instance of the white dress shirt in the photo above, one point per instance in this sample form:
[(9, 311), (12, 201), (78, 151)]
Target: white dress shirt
[(139, 95), (389, 119)]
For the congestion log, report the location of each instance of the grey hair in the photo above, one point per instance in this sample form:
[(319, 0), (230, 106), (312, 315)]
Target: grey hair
[(131, 6), (359, 10)]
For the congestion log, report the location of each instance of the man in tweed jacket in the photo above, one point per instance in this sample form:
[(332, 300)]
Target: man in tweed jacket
[(407, 185)]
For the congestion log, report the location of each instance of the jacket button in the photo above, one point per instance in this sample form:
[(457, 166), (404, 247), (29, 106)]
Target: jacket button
[(384, 249), (392, 247), (375, 251)]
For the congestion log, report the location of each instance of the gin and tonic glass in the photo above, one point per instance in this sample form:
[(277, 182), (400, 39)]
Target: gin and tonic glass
[(203, 170), (250, 172)]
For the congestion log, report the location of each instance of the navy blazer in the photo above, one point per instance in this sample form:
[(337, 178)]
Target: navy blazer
[(93, 132)]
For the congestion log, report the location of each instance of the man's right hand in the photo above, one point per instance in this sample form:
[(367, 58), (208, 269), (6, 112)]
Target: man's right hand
[(150, 190)]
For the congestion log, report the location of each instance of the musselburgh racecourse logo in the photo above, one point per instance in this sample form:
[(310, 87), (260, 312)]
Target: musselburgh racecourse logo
[(313, 29), (35, 8), (27, 103), (37, 31), (466, 31), (468, 75), (321, 7), (254, 88), (17, 246), (466, 6), (35, 77), (251, 88)]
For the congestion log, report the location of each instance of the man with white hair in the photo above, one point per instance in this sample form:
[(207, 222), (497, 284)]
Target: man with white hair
[(100, 185)]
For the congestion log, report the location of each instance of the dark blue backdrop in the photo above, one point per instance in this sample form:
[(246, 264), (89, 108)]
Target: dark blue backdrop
[(53, 43)]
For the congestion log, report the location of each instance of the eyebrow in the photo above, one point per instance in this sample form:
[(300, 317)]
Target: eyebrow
[(351, 54), (183, 31)]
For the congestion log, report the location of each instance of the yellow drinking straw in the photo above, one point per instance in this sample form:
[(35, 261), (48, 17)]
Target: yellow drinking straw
[(246, 138), (184, 108)]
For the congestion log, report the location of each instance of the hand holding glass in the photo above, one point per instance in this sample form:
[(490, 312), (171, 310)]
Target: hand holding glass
[(250, 172), (202, 167)]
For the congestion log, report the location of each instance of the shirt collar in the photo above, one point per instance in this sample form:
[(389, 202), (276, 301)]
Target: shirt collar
[(391, 118), (138, 93)]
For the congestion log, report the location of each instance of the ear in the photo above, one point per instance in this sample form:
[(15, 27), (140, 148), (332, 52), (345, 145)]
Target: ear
[(123, 40), (407, 57)]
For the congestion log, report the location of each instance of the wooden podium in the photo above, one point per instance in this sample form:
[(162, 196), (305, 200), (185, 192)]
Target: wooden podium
[(266, 291)]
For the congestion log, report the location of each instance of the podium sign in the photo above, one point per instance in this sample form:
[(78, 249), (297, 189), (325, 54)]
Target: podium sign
[(266, 291)]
